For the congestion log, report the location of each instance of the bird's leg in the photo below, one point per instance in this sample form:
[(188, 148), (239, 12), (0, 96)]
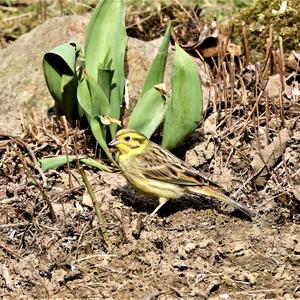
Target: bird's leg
[(162, 201)]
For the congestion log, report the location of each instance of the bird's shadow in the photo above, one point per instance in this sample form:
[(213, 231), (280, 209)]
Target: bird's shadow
[(142, 204)]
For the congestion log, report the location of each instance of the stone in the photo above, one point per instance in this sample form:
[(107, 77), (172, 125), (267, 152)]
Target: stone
[(22, 86)]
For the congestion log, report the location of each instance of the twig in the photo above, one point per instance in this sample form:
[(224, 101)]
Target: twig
[(33, 158), (11, 252), (282, 81), (251, 112), (21, 16), (94, 256), (176, 291), (246, 44), (39, 186), (146, 18), (268, 53), (9, 225), (101, 219), (267, 103), (189, 15)]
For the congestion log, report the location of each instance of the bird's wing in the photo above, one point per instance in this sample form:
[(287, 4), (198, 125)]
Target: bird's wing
[(160, 164)]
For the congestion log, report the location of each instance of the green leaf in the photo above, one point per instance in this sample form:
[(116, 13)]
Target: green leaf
[(156, 73), (91, 97), (98, 134), (105, 46), (96, 164), (148, 113), (104, 80), (59, 67), (185, 109), (55, 162)]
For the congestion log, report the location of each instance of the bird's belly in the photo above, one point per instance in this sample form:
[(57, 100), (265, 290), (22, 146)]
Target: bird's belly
[(155, 189)]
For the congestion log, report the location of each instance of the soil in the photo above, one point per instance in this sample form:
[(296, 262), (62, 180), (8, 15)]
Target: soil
[(193, 248), (52, 244)]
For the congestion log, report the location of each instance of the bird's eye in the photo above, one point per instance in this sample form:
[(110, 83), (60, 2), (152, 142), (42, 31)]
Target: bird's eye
[(127, 138)]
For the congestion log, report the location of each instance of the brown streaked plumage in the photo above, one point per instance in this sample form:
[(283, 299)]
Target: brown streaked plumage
[(158, 173)]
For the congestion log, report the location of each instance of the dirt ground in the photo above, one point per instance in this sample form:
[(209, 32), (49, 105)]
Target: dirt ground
[(194, 248)]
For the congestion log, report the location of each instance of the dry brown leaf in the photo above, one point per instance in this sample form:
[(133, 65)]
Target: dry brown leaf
[(107, 120), (274, 87), (211, 43), (293, 61), (270, 154)]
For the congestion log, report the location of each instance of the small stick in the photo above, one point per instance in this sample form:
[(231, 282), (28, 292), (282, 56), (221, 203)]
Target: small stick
[(101, 219), (224, 92), (268, 52), (11, 225), (189, 15), (39, 186), (267, 120), (232, 76), (282, 81), (33, 158), (256, 118), (251, 112), (246, 44), (10, 251)]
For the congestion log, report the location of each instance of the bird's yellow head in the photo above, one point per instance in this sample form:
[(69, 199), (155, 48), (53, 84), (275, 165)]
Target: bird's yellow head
[(129, 142)]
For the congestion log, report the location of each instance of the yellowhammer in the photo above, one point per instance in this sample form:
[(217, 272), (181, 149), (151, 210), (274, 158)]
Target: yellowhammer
[(158, 173)]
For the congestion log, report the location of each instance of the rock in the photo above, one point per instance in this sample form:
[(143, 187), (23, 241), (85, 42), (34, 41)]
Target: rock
[(181, 252), (210, 125), (297, 249), (189, 247), (23, 88), (180, 265), (205, 243), (237, 247), (246, 276)]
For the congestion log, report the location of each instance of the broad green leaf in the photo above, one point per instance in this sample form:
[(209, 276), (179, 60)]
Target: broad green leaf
[(156, 73), (104, 80), (148, 113), (185, 109), (95, 163), (105, 46), (59, 67), (55, 162), (98, 134), (91, 97)]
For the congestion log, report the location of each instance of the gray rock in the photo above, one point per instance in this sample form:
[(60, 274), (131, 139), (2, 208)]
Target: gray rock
[(22, 86)]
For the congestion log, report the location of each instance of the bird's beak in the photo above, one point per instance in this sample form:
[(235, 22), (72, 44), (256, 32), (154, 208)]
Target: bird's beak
[(113, 143)]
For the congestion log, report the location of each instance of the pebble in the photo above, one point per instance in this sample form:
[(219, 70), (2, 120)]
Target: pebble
[(189, 247), (204, 243), (297, 249)]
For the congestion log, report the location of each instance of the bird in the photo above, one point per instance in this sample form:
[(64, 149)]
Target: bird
[(157, 173)]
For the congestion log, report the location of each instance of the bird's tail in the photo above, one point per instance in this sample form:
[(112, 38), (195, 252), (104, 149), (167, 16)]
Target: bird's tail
[(213, 192)]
